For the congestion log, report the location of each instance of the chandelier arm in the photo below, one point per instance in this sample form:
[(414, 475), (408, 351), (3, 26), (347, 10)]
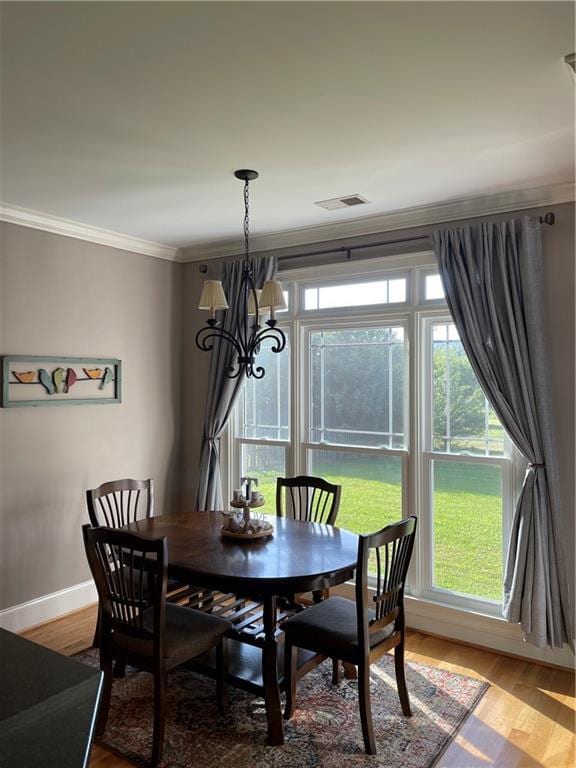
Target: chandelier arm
[(277, 336), (257, 372), (232, 372), (208, 332)]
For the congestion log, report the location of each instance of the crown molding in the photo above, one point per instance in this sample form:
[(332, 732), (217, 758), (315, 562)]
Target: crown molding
[(452, 210), (47, 223)]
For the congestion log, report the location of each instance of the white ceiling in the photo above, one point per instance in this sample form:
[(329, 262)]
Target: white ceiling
[(133, 116)]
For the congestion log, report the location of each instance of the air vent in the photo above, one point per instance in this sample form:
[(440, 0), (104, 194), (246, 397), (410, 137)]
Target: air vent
[(342, 202)]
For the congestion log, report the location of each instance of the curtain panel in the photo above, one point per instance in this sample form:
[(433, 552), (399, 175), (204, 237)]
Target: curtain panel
[(222, 391), (492, 274)]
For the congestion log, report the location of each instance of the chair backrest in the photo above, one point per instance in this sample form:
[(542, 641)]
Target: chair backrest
[(311, 499), (392, 547), (120, 502), (131, 574)]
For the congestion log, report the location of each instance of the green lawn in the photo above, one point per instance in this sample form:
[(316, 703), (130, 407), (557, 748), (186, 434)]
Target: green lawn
[(467, 513)]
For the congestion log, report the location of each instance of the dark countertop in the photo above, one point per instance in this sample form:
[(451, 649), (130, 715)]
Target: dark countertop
[(48, 704)]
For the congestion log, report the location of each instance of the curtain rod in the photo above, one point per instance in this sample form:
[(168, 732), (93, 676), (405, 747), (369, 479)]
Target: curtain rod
[(548, 218)]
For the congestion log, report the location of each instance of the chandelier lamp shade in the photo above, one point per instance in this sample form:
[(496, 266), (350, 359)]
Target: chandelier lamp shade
[(213, 297), (245, 333)]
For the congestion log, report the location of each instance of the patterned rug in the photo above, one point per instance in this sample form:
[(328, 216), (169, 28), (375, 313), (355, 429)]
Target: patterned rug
[(325, 731)]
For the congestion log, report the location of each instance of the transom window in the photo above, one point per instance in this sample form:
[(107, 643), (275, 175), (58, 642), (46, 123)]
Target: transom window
[(362, 293), (375, 392)]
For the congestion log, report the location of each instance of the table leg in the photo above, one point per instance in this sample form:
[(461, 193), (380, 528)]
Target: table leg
[(270, 674)]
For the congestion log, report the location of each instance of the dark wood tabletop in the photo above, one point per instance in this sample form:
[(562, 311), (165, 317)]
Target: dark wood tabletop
[(298, 557)]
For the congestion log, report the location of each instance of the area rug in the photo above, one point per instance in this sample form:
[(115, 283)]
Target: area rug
[(325, 731)]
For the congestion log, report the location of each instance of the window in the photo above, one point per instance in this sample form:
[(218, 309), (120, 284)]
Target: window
[(465, 463), (361, 293), (356, 381), (433, 288), (355, 403), (376, 393)]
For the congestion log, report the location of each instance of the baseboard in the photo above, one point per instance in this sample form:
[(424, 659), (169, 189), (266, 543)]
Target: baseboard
[(48, 607)]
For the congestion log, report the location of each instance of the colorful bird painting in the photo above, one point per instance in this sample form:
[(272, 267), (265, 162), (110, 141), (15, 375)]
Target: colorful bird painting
[(70, 379), (106, 378), (59, 377), (46, 380), (25, 377), (93, 373)]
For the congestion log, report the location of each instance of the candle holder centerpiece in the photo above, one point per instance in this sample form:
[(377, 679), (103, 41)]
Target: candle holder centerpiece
[(245, 525)]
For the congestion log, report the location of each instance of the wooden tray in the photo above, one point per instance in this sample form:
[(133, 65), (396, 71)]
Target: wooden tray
[(247, 536), (250, 504)]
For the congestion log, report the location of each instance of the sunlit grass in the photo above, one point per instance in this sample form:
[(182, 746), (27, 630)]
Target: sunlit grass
[(467, 514)]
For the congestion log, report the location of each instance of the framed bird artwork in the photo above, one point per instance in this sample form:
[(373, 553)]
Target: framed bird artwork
[(32, 380)]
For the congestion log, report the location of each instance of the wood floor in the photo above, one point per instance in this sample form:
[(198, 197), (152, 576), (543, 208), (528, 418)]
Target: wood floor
[(526, 718)]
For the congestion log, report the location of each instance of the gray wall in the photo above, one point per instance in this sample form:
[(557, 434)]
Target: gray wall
[(559, 307), (61, 296)]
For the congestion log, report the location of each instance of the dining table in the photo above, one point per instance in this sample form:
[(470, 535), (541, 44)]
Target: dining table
[(235, 577)]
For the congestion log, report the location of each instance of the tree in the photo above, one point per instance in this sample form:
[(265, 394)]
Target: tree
[(453, 374)]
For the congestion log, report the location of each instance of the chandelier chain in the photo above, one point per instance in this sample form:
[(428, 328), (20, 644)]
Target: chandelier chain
[(246, 219)]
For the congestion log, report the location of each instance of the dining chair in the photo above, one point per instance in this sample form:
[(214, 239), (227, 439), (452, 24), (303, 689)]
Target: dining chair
[(119, 502), (138, 626), (359, 633), (311, 499)]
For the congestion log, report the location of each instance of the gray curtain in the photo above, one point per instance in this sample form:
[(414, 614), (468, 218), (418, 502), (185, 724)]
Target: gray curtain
[(223, 391), (493, 280)]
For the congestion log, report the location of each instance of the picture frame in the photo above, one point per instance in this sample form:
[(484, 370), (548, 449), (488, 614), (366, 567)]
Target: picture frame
[(38, 380)]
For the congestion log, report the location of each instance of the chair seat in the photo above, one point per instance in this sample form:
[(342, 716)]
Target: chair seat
[(331, 627), (188, 633)]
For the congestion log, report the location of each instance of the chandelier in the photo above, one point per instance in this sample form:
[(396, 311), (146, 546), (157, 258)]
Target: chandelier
[(247, 333)]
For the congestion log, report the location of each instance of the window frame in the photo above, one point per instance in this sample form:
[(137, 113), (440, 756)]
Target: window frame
[(366, 278)]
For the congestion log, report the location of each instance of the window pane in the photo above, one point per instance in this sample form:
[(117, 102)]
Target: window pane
[(266, 401), (358, 294), (265, 463), (396, 291), (357, 383), (433, 288), (287, 300), (467, 502), (371, 489), (463, 421)]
